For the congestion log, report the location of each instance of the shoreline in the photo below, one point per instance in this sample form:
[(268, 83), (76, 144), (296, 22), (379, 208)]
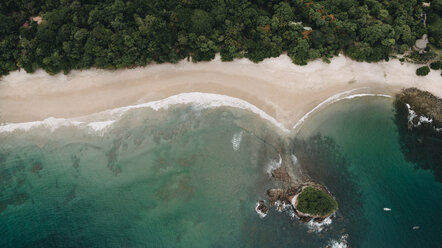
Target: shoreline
[(284, 91)]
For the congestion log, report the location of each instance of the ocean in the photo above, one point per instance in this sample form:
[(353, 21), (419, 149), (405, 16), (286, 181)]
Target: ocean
[(190, 176)]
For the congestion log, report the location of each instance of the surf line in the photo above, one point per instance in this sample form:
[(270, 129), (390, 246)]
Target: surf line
[(196, 99), (333, 99)]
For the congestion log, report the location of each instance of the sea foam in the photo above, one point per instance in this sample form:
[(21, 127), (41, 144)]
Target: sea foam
[(273, 165), (317, 227), (422, 119), (341, 243), (197, 99), (50, 123), (236, 140), (294, 159), (100, 125)]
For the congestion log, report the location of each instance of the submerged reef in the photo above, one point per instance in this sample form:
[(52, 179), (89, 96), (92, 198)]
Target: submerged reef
[(418, 117)]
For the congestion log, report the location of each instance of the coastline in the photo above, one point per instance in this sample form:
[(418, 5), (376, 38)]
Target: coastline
[(276, 86)]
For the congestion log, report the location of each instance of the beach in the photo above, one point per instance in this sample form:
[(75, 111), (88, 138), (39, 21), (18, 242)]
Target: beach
[(178, 155), (276, 86)]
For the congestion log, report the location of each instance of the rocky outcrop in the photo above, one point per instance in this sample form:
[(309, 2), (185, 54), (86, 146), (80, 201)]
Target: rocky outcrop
[(283, 198), (423, 104), (418, 118), (261, 208)]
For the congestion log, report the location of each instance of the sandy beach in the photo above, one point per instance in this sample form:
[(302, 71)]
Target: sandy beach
[(281, 89)]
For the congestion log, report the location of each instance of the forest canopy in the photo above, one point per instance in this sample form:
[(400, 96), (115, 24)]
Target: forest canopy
[(316, 202), (114, 34)]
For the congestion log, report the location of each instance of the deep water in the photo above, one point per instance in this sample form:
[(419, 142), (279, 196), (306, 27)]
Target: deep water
[(190, 177), (354, 148)]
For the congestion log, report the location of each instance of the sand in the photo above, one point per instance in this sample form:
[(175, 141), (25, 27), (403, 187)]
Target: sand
[(281, 89)]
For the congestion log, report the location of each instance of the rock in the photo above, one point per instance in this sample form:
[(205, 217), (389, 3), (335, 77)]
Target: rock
[(275, 195), (261, 208), (423, 103), (281, 174)]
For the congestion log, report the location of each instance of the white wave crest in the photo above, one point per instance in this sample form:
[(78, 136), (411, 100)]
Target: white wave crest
[(236, 140), (203, 100), (100, 125), (335, 98), (411, 113), (316, 227), (51, 123), (197, 99), (422, 119), (294, 159), (273, 165), (362, 95), (341, 243)]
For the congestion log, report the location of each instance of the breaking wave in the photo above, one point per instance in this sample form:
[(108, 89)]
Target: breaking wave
[(236, 140), (341, 243), (273, 165), (109, 117), (412, 115), (316, 227)]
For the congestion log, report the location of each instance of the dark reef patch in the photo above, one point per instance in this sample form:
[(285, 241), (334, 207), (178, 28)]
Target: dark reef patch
[(70, 196), (112, 157), (12, 180), (36, 167), (15, 200)]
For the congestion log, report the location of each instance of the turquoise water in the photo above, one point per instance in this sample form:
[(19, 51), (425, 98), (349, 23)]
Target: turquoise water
[(365, 142), (156, 179), (188, 177)]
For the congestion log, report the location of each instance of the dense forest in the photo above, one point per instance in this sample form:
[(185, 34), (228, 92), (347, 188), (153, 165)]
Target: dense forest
[(115, 33)]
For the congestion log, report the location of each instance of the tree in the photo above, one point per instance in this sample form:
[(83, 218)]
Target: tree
[(114, 34), (201, 22), (316, 202), (436, 65), (423, 71)]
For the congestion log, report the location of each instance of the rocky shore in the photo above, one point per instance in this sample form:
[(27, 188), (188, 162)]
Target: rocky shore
[(291, 181), (423, 107), (419, 120)]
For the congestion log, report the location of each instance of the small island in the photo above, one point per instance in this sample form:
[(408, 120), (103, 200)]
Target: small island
[(314, 202), (308, 201)]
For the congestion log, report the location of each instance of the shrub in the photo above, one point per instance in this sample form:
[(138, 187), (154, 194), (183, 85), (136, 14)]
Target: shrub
[(316, 202), (436, 65), (422, 71)]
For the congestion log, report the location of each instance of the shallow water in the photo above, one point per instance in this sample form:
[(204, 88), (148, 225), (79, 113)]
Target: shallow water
[(190, 177), (185, 177)]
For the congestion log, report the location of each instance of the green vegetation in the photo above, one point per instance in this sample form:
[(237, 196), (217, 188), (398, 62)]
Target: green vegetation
[(434, 21), (419, 58), (316, 202), (436, 65), (78, 34), (423, 71)]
